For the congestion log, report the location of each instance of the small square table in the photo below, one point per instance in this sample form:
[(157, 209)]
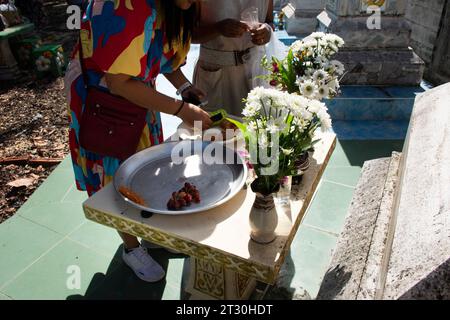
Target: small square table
[(225, 262)]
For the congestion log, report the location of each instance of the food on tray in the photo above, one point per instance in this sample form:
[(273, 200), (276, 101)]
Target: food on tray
[(184, 197), (219, 131), (221, 122), (217, 116), (131, 195)]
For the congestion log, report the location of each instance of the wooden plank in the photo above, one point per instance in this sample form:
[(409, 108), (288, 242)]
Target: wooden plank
[(28, 160)]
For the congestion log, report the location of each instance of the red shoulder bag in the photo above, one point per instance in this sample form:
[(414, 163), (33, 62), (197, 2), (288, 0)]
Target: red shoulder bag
[(110, 125)]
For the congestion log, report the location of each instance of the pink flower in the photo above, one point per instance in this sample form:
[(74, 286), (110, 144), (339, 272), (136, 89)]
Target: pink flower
[(273, 83), (275, 67)]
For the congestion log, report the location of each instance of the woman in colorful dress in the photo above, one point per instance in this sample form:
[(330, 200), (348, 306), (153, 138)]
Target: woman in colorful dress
[(230, 50), (125, 45)]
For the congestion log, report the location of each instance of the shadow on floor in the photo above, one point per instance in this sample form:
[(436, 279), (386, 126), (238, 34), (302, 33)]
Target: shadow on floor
[(120, 283), (282, 290), (333, 283), (359, 151)]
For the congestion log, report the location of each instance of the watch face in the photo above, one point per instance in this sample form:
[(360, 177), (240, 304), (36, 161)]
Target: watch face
[(191, 99)]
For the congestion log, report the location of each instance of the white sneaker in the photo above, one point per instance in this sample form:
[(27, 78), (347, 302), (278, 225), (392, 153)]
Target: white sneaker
[(143, 265), (151, 245)]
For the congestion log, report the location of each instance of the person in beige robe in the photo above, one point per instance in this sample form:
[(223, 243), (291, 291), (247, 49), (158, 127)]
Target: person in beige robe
[(232, 35)]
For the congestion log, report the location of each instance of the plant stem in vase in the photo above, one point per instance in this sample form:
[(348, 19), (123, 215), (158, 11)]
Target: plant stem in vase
[(302, 165)]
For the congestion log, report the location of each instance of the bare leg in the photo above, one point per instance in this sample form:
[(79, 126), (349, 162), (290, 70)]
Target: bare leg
[(130, 242)]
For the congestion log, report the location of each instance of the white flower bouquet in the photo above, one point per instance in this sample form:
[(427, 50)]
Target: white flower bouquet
[(278, 127), (308, 69)]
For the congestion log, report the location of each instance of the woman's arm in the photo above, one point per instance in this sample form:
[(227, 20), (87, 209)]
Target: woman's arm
[(229, 28), (263, 33), (176, 78), (191, 93), (138, 93)]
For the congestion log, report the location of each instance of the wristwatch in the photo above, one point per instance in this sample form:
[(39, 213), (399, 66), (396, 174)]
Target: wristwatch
[(183, 88)]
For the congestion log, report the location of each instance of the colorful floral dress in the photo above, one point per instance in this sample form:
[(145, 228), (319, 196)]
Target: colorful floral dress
[(118, 37)]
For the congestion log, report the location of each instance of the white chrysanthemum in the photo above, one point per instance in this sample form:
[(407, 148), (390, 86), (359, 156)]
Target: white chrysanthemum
[(338, 66), (280, 122), (308, 88), (301, 124), (298, 106), (316, 35), (304, 114), (316, 107), (323, 92), (330, 50), (325, 120), (319, 75), (251, 109), (333, 85), (251, 126), (321, 60), (335, 39), (299, 81), (297, 46)]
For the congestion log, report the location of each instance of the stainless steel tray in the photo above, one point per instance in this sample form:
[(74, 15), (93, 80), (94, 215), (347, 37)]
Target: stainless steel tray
[(153, 175)]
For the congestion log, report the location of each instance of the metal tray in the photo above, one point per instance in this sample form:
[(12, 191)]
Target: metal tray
[(153, 175)]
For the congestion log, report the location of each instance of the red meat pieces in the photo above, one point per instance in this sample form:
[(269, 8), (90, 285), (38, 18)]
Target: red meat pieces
[(184, 197)]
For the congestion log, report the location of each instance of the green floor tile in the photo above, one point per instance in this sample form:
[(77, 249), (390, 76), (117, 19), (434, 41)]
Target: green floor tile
[(52, 190), (65, 165), (97, 237), (121, 283), (339, 158), (355, 153), (175, 270), (344, 175), (60, 217), (310, 256), (21, 243), (171, 293), (329, 207), (48, 277), (75, 196), (3, 297)]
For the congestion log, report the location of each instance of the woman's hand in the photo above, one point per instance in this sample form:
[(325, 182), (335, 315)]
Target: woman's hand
[(262, 34), (231, 28), (190, 113), (194, 95)]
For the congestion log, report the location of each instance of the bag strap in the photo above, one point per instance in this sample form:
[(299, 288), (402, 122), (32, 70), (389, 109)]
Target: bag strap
[(81, 58)]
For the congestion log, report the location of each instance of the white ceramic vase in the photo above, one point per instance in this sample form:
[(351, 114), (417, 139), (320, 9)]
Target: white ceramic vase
[(263, 219)]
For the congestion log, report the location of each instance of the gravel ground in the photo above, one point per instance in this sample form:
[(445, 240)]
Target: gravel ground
[(33, 122)]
